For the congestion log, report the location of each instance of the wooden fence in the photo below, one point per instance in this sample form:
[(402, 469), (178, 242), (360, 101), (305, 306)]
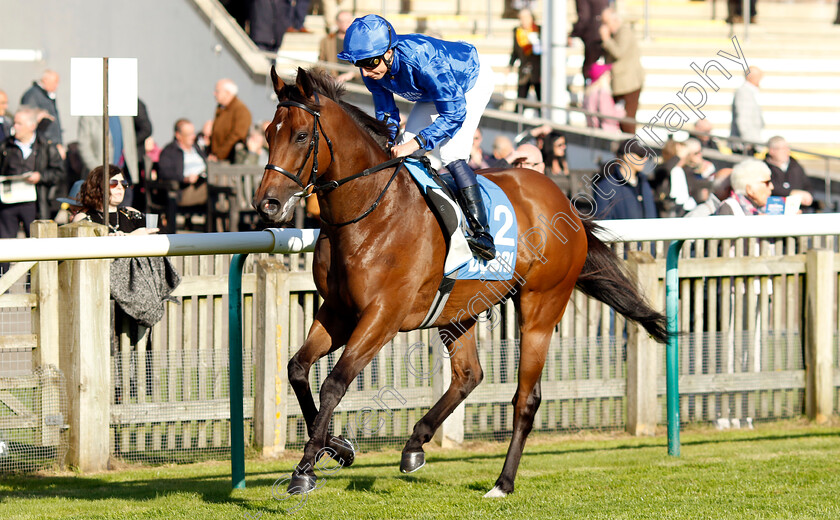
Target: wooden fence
[(742, 355)]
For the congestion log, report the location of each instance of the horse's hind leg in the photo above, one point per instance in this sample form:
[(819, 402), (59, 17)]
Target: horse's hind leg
[(466, 375), (327, 333), (539, 312)]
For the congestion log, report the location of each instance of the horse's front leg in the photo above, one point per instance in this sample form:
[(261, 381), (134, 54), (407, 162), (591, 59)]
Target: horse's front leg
[(376, 327), (329, 331)]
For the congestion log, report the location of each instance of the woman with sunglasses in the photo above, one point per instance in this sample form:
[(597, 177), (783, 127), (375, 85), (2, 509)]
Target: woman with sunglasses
[(121, 220), (450, 87)]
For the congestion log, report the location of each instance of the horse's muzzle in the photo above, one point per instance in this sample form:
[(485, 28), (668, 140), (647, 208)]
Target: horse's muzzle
[(269, 209), (273, 211)]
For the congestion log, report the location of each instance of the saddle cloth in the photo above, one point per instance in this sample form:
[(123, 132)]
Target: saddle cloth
[(460, 264)]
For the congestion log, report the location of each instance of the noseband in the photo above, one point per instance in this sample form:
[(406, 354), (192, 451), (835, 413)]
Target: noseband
[(317, 130)]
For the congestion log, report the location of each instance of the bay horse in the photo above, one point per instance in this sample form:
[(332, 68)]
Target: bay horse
[(379, 260)]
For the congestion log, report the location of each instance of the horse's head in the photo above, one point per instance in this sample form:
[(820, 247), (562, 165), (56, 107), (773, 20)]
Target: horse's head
[(298, 149)]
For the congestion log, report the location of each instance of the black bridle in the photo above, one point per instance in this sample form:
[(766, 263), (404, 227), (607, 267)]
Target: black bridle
[(317, 130)]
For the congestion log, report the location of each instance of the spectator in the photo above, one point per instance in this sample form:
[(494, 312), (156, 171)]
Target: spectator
[(297, 10), (597, 97), (70, 205), (622, 51), (142, 132), (554, 154), (269, 21), (527, 50), (529, 156), (664, 192), (122, 220), (721, 187), (184, 162), (479, 159), (42, 95), (747, 120), (122, 147), (702, 132), (31, 166), (587, 28), (5, 121), (502, 152), (202, 140), (139, 286), (751, 186), (789, 178), (255, 151), (623, 191), (331, 45), (736, 12), (232, 122)]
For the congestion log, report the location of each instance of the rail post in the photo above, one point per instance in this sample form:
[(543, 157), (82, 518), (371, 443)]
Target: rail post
[(672, 305)]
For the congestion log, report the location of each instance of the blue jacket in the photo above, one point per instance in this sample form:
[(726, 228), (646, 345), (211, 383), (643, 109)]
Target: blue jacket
[(427, 70), (617, 199)]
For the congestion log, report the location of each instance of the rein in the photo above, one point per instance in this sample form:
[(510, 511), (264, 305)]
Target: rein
[(317, 130)]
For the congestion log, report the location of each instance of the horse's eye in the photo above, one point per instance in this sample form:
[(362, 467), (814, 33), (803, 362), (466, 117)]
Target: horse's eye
[(301, 137)]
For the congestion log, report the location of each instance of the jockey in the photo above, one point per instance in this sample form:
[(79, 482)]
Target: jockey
[(450, 88)]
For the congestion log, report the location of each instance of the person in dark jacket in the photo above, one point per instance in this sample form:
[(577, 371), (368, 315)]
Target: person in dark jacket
[(42, 95), (527, 50), (586, 28), (31, 165), (788, 176), (622, 191), (184, 162), (5, 120)]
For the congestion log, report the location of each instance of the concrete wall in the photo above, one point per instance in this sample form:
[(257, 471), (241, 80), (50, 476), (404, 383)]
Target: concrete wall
[(174, 44)]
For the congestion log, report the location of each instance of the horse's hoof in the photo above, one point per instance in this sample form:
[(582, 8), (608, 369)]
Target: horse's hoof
[(301, 484), (496, 492), (412, 461), (344, 452)]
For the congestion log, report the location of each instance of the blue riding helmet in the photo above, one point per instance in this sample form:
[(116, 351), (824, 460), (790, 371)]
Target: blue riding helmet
[(367, 37)]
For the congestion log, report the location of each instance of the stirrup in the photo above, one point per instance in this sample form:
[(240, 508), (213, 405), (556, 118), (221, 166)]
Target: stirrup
[(482, 245)]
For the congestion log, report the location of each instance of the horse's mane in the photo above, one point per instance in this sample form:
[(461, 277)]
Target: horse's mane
[(324, 84)]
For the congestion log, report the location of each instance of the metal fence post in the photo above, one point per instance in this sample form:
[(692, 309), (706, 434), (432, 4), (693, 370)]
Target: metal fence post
[(237, 434), (672, 305)]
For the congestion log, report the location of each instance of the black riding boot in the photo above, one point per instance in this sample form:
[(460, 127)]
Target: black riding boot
[(480, 242), (469, 199)]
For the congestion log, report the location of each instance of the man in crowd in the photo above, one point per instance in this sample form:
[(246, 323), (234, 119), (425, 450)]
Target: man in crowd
[(42, 95), (183, 161), (29, 166), (751, 186), (622, 191), (789, 178), (122, 150), (529, 156), (333, 43), (232, 122), (747, 120)]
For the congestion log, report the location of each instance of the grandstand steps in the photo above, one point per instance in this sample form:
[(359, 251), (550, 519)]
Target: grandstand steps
[(793, 42)]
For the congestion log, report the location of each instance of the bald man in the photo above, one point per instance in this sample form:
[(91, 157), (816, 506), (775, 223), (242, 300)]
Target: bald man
[(42, 95), (529, 156), (232, 122), (747, 120)]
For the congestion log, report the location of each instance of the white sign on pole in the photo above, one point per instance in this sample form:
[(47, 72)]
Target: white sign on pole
[(86, 86)]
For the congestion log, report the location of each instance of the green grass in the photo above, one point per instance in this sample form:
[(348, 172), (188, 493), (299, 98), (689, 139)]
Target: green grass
[(779, 470)]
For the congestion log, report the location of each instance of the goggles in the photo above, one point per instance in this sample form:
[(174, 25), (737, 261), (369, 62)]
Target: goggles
[(369, 63)]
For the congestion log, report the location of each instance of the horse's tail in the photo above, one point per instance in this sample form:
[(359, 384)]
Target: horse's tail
[(604, 278)]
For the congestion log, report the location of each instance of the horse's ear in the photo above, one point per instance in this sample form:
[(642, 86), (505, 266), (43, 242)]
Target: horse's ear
[(304, 83), (276, 81)]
